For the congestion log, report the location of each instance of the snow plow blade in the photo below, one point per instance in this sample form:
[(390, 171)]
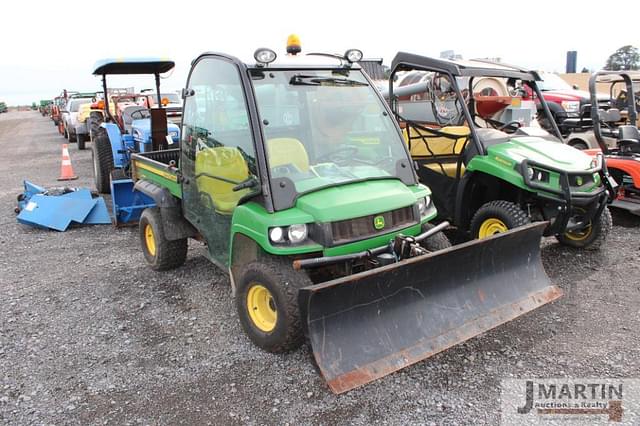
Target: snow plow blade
[(365, 326)]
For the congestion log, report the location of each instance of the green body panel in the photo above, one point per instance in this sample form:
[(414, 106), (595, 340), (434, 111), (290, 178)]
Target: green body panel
[(158, 173), (327, 205), (356, 200), (501, 161)]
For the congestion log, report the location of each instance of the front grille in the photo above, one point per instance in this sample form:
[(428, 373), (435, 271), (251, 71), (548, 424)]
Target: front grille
[(363, 227)]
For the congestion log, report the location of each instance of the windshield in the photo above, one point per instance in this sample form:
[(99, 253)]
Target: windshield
[(553, 82), (172, 97), (74, 106), (325, 128)]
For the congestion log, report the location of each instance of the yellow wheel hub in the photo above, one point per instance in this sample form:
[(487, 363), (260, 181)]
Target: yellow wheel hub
[(579, 234), (150, 240), (261, 308), (491, 226)]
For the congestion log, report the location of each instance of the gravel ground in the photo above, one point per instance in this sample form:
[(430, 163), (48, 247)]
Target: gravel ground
[(90, 335)]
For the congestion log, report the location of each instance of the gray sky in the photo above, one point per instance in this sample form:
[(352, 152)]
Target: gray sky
[(47, 46)]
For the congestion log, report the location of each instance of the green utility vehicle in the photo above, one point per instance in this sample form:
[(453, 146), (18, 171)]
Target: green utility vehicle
[(295, 175), (491, 171)]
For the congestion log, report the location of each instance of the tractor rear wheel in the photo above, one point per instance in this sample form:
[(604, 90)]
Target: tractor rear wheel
[(96, 119), (102, 159), (495, 217), (160, 253), (267, 304), (592, 236)]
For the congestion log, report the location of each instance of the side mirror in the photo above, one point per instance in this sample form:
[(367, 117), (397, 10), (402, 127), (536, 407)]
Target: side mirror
[(575, 87)]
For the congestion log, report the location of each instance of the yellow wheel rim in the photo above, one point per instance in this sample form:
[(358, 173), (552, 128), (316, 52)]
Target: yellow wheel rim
[(490, 227), (262, 308), (580, 234), (149, 240)]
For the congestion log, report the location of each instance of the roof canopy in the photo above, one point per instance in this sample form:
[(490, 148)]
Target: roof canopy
[(133, 66), (475, 68)]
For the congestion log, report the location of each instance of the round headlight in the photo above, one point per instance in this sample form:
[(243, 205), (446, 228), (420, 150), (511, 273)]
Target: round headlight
[(530, 172), (264, 55), (423, 203), (353, 55), (297, 233), (276, 235)]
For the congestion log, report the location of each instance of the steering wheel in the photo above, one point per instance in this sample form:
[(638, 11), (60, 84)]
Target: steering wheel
[(140, 114), (339, 155), (517, 124)]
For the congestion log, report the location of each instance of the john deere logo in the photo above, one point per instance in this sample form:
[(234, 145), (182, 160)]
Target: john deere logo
[(579, 180), (378, 222)]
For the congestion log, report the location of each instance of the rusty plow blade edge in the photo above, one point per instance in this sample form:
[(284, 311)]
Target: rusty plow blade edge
[(370, 324)]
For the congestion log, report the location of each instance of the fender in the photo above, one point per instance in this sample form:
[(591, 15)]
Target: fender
[(627, 165), (120, 159), (175, 226)]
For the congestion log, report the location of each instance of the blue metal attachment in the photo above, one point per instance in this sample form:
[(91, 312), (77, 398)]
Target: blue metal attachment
[(128, 203)]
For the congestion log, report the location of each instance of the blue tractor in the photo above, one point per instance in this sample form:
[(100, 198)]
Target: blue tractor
[(128, 128)]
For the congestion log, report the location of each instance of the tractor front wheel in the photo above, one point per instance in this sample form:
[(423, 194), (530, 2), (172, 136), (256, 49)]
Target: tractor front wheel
[(591, 236), (495, 217), (160, 253), (102, 159), (267, 304)]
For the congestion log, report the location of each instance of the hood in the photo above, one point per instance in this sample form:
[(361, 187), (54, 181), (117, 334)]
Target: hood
[(545, 152), (356, 200), (144, 125), (573, 95)]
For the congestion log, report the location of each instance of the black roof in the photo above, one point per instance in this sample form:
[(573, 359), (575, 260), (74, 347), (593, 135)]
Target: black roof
[(475, 68)]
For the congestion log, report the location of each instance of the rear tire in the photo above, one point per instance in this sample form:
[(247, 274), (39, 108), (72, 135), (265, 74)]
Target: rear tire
[(96, 119), (496, 217), (267, 304), (73, 137), (102, 159), (81, 141), (64, 132), (593, 236), (160, 253)]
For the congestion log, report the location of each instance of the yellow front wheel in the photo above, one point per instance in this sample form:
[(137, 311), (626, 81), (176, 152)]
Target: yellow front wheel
[(261, 308), (496, 217), (490, 227), (149, 239), (267, 303)]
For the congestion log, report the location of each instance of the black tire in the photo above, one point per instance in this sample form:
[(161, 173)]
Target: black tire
[(64, 132), (495, 217), (282, 283), (73, 137), (81, 141), (102, 159), (96, 119), (435, 242), (593, 236), (160, 253), (578, 144)]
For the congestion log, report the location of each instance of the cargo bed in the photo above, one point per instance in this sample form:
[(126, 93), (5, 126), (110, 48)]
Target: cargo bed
[(159, 167)]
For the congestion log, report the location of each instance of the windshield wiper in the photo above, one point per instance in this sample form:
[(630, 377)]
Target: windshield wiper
[(314, 80)]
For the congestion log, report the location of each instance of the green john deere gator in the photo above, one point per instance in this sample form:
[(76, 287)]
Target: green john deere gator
[(295, 175), (491, 170)]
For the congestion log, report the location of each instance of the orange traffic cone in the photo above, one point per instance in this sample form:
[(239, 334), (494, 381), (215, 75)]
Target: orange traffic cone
[(66, 171)]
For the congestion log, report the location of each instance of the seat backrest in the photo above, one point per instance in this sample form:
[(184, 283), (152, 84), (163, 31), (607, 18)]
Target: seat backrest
[(159, 128), (610, 116), (628, 132), (282, 151), (225, 162), (438, 145)]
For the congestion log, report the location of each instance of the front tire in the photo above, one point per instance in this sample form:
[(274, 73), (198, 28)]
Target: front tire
[(496, 217), (160, 253), (592, 236), (435, 242), (102, 159), (267, 304)]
